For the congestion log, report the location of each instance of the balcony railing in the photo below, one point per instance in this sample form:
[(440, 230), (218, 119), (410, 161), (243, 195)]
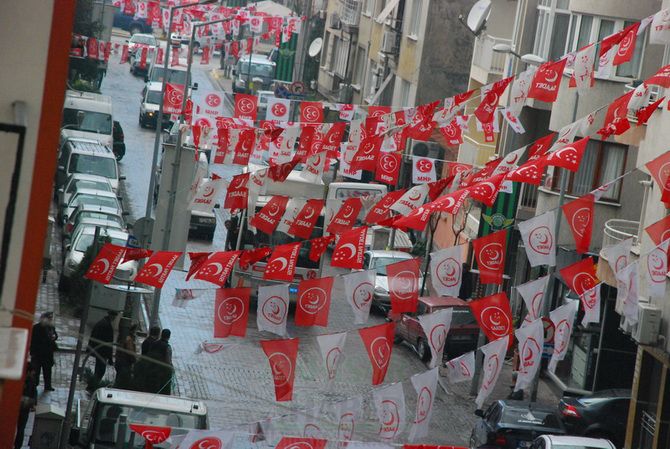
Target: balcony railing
[(350, 13), (617, 230), (485, 58)]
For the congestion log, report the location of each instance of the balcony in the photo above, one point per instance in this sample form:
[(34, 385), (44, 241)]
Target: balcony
[(616, 230), (489, 63), (350, 14)]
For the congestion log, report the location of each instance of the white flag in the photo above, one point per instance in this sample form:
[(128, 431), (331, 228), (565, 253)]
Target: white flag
[(533, 296), (627, 301), (359, 287), (519, 90), (412, 199), (591, 304), (566, 135), (583, 68), (461, 368), (197, 439), (346, 414), (659, 32), (313, 168), (347, 153), (423, 170), (539, 239), (309, 422), (605, 63), (210, 102), (278, 109), (617, 255), (657, 268), (293, 207), (531, 343), (563, 319), (273, 301), (640, 97), (425, 385), (356, 132), (332, 348), (436, 328), (494, 356), (207, 194), (446, 270), (287, 142), (390, 405), (513, 121), (509, 162)]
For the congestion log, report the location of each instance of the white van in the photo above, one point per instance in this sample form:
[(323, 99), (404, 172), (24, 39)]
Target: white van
[(88, 115), (101, 423)]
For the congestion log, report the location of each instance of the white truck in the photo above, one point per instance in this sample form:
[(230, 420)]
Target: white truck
[(87, 115)]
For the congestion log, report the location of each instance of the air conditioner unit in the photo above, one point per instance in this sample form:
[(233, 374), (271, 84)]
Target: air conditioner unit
[(345, 94), (335, 22), (388, 41), (648, 325)]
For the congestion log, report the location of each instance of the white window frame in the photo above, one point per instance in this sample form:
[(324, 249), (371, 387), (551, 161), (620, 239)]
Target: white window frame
[(368, 6), (340, 55), (546, 16), (359, 68), (414, 18)]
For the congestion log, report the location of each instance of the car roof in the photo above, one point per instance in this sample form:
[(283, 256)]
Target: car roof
[(442, 301), (77, 94), (394, 254), (526, 415), (142, 35), (95, 208), (90, 221), (97, 192), (108, 232), (90, 146), (257, 58), (155, 85), (88, 177), (579, 441), (151, 401)]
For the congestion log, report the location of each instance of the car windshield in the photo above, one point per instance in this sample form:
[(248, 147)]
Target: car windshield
[(462, 316), (89, 184), (86, 240), (154, 97), (88, 198), (174, 76), (380, 263), (257, 69), (92, 165), (106, 423), (96, 122), (98, 216), (146, 40)]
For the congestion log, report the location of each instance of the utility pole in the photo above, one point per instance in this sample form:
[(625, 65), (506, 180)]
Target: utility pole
[(302, 42)]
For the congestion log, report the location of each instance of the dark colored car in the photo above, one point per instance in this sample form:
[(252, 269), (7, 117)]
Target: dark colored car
[(462, 336), (603, 414), (128, 23), (514, 425), (119, 146)]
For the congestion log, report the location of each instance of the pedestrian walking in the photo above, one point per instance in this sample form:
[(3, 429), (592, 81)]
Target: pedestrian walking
[(28, 401), (42, 348), (160, 373), (142, 369), (101, 346), (154, 336), (125, 360)]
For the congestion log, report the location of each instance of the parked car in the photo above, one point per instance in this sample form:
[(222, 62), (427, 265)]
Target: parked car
[(139, 66), (128, 23), (92, 212), (92, 197), (462, 336), (603, 414), (87, 115), (86, 156), (263, 97), (119, 144), (139, 40), (261, 70), (378, 259), (202, 224), (151, 98), (78, 181), (563, 442), (514, 425)]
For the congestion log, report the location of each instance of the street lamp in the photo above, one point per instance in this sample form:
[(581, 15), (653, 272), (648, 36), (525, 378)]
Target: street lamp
[(528, 58)]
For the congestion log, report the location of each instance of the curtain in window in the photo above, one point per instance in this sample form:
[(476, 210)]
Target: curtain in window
[(582, 182), (612, 166)]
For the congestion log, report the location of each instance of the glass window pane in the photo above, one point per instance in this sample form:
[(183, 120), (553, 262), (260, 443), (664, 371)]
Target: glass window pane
[(632, 68), (582, 182), (606, 28), (539, 32), (584, 37), (559, 34), (612, 167), (562, 4)]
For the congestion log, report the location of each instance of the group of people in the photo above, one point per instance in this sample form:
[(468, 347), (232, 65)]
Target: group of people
[(151, 372)]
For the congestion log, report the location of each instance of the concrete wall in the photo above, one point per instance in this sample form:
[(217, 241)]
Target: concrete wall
[(626, 9)]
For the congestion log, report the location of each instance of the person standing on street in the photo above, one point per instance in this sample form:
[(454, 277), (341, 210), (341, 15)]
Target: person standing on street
[(125, 360), (154, 336), (101, 346), (42, 348), (160, 374), (142, 368), (28, 401)]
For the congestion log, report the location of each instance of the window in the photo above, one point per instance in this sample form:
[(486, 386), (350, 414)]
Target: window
[(602, 163), (414, 20), (631, 69), (379, 6), (359, 69), (340, 55), (553, 24), (405, 87), (367, 7)]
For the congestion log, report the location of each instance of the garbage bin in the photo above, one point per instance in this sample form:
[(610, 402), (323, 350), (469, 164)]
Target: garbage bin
[(47, 427)]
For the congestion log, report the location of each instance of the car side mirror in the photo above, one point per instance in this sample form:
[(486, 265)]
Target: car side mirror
[(479, 412)]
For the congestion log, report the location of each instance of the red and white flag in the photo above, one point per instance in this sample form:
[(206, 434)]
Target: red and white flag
[(519, 90), (563, 318), (282, 263), (278, 109), (207, 194), (346, 216), (293, 207), (245, 143), (412, 199), (388, 167), (618, 255), (151, 434), (659, 231), (390, 407), (579, 215), (301, 443), (547, 80), (313, 303), (446, 270), (332, 350), (489, 104), (530, 172), (486, 191), (272, 311), (531, 344), (403, 285), (532, 293), (494, 315), (103, 266), (659, 169), (267, 219), (218, 267), (309, 422), (657, 270), (231, 312), (304, 222), (539, 240), (490, 253), (197, 259), (207, 439), (583, 68), (346, 414), (382, 209), (311, 111), (246, 106), (659, 32), (378, 342), (136, 254), (591, 303), (494, 356), (347, 153), (452, 133), (461, 368), (156, 270), (627, 302), (367, 153), (569, 156), (423, 170), (626, 48), (436, 327), (211, 103), (425, 386), (580, 276), (174, 96), (349, 250), (359, 289), (282, 355)]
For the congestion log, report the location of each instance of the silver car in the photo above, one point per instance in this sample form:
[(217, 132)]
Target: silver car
[(378, 260), (92, 197), (78, 181)]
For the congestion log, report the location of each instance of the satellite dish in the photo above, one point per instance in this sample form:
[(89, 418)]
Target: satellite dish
[(478, 16), (315, 47)]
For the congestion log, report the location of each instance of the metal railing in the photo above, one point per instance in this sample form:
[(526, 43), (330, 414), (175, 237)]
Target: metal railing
[(528, 197), (484, 56), (350, 12), (617, 230)]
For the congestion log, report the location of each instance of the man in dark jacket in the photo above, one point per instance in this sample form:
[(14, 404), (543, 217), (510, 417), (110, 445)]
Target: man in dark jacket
[(100, 345), (159, 379), (42, 348), (154, 336), (28, 401), (141, 381)]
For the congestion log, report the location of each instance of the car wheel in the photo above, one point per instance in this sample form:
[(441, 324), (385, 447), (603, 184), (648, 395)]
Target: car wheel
[(423, 350)]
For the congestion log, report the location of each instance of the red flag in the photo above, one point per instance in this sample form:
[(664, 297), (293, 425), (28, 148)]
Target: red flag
[(348, 252), (174, 96), (493, 315), (456, 168), (304, 222), (436, 188), (156, 270), (159, 56), (313, 303), (246, 106), (307, 134), (581, 276), (579, 215), (381, 210), (660, 78), (333, 138), (282, 355), (197, 259), (124, 54), (490, 253), (151, 434), (282, 262), (646, 112), (388, 167), (627, 45), (659, 169), (311, 111), (378, 341), (660, 231), (218, 267), (231, 312), (346, 216), (318, 246), (540, 147), (452, 133), (403, 285), (377, 111), (486, 192), (547, 80), (245, 146), (103, 266), (237, 194), (251, 256), (422, 130), (267, 219), (530, 173), (136, 254), (367, 154), (489, 104), (569, 156), (301, 443), (175, 57), (280, 172)]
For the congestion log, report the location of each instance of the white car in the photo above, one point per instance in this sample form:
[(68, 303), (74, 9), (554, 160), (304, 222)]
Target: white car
[(78, 181), (139, 40), (92, 197), (378, 260), (564, 442)]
